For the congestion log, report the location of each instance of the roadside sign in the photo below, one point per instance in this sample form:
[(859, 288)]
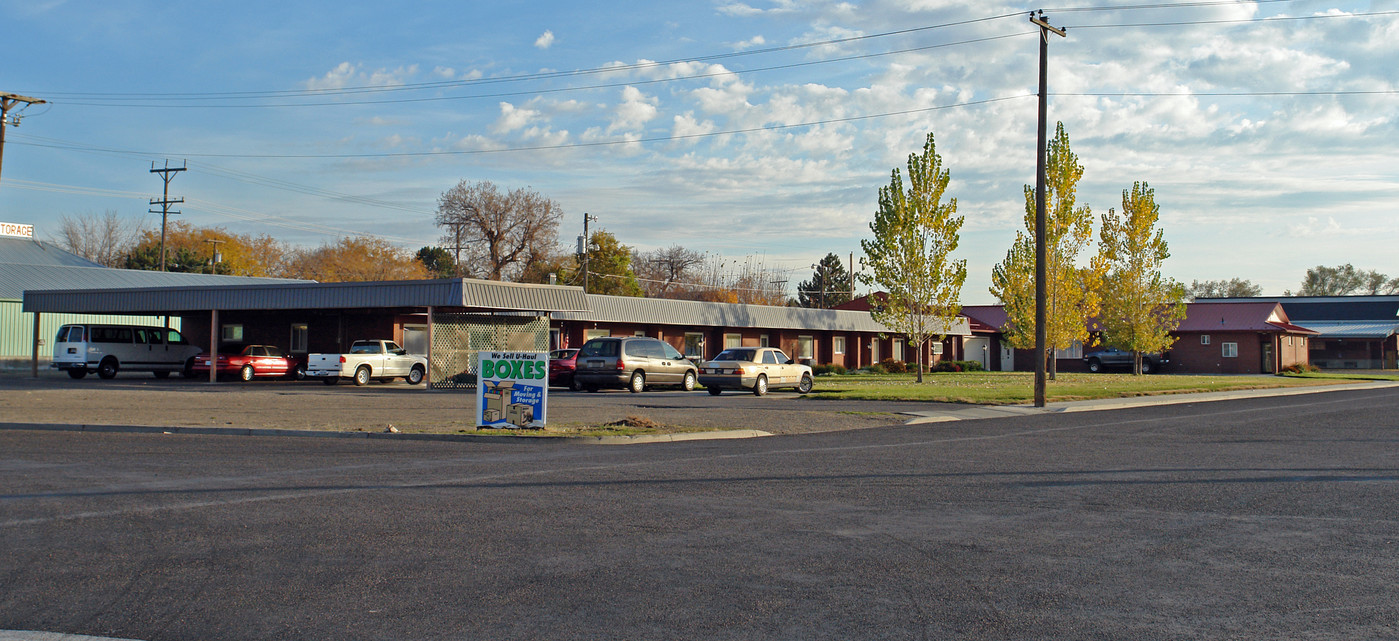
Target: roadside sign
[(512, 389)]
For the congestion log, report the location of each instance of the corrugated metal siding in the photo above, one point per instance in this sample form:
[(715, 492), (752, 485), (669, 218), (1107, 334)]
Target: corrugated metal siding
[(17, 333), (471, 294), (655, 311), (1348, 329)]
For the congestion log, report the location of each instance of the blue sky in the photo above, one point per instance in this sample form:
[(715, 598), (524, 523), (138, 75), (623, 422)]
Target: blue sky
[(1266, 128)]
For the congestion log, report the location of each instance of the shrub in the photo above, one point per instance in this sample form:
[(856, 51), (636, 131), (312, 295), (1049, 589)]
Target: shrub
[(894, 367), (947, 366), (1300, 368), (876, 369), (828, 369), (971, 366)]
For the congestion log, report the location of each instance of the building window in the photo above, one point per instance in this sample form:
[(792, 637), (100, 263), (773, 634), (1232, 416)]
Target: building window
[(733, 340), (838, 345), (299, 335), (806, 347), (1204, 339), (590, 334), (763, 341), (898, 349), (1072, 352), (694, 345), (1231, 350), (1289, 340), (231, 333), (639, 332), (874, 350), (937, 348)]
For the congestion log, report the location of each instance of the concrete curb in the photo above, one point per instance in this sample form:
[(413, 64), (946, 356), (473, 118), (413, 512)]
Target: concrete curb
[(973, 412), (460, 438)]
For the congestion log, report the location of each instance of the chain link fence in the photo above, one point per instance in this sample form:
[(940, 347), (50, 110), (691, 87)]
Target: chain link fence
[(456, 339)]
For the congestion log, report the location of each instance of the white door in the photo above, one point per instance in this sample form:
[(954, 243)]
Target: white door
[(979, 349), (1007, 358), (415, 339)]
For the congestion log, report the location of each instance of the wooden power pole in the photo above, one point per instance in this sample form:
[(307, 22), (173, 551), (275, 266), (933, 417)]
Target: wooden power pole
[(1040, 254), (165, 202), (8, 102)]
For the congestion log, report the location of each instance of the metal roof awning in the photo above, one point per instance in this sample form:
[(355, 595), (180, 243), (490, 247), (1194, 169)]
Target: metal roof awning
[(460, 293), (1374, 330), (660, 311)]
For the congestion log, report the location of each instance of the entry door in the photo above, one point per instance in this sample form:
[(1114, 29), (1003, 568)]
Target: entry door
[(1007, 358), (415, 339), (1268, 357), (979, 349)]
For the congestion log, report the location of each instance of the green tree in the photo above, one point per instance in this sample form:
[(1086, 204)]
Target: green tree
[(1345, 280), (1070, 293), (829, 285), (1140, 307), (910, 256), (609, 267), (1232, 288), (438, 262)]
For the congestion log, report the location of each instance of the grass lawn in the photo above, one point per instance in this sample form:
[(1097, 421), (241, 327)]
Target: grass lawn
[(1011, 388)]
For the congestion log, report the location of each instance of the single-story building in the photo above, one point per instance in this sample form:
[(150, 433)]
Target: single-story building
[(1353, 332), (700, 330)]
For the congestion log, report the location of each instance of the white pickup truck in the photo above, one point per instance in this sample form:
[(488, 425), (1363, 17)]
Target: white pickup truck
[(367, 360)]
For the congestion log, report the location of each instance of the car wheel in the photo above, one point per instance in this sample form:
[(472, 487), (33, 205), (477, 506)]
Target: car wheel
[(362, 376), (760, 388), (715, 391), (299, 374), (805, 385), (638, 382), (331, 380), (189, 368), (246, 374), (108, 368), (77, 373), (1095, 365), (160, 373), (1147, 366), (415, 376), (573, 385), (689, 384)]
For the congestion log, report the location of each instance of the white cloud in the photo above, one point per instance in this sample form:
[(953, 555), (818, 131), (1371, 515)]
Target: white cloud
[(635, 110), (513, 118), (545, 40), (755, 41), (350, 75)]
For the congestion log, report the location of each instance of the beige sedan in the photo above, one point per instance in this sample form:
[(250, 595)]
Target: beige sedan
[(754, 368)]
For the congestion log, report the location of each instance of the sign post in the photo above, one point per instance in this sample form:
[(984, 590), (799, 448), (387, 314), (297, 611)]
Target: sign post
[(512, 389)]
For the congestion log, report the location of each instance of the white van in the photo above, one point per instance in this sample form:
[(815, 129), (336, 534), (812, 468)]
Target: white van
[(108, 349)]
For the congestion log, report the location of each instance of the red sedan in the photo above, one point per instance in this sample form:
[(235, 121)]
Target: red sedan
[(561, 365), (252, 361)]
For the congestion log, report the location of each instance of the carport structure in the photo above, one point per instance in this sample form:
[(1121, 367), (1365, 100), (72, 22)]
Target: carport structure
[(448, 320)]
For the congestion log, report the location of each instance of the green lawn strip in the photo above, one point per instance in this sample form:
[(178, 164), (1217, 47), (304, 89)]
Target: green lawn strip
[(1337, 376), (1012, 388)]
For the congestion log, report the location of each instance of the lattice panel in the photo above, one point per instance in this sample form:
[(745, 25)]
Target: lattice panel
[(456, 338)]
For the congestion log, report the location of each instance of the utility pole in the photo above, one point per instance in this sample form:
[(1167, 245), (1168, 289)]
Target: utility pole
[(214, 257), (583, 248), (1040, 254), (166, 174), (8, 102)]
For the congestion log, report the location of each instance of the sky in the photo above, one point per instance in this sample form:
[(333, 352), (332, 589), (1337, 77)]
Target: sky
[(758, 129)]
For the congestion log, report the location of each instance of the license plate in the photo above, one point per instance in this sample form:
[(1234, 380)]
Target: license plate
[(206, 363)]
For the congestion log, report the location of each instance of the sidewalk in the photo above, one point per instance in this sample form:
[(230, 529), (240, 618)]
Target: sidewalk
[(973, 412)]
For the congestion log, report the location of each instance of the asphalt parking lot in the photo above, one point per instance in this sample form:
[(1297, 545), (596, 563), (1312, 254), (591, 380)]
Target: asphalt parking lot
[(140, 399)]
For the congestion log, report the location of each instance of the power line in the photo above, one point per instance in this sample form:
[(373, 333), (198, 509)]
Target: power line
[(600, 143)]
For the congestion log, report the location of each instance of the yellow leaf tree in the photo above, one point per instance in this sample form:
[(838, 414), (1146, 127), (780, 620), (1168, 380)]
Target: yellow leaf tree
[(1070, 292), (356, 259), (1140, 307), (915, 233)]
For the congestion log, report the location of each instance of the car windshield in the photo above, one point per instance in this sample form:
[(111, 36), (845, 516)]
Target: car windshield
[(735, 355), (600, 348)]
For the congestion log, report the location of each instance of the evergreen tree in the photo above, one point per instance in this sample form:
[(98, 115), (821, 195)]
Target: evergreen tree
[(829, 285)]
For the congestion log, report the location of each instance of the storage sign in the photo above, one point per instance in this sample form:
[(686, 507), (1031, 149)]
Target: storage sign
[(16, 229), (512, 389)]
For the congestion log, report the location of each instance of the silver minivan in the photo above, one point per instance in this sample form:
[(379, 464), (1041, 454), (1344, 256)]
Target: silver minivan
[(632, 362), (108, 349)]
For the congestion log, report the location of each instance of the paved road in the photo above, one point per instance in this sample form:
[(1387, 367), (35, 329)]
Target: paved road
[(1259, 518)]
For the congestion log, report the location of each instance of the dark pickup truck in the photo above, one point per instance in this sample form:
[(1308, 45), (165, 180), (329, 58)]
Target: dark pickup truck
[(1113, 358)]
